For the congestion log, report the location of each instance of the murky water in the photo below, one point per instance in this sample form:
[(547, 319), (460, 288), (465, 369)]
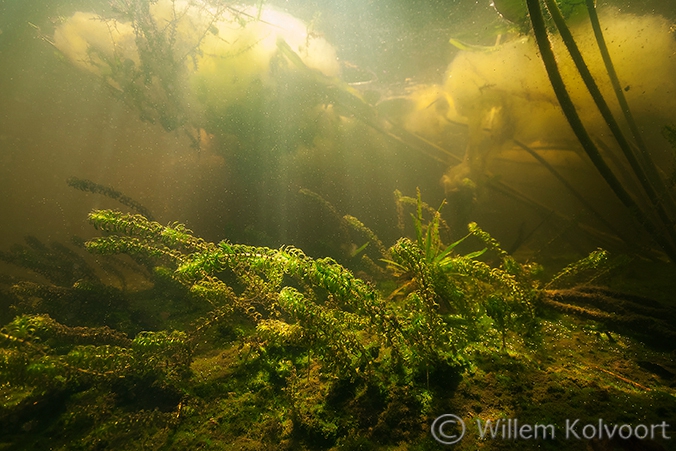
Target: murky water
[(266, 125), (63, 117)]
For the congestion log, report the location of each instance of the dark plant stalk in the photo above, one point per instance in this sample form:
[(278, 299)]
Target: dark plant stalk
[(547, 55), (612, 74), (95, 188), (622, 100), (604, 109)]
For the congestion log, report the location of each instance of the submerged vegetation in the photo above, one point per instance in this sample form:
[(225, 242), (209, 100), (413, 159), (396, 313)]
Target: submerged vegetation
[(150, 337), (275, 346)]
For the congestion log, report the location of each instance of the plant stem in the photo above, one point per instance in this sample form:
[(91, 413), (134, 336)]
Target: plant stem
[(647, 162), (547, 55), (604, 109)]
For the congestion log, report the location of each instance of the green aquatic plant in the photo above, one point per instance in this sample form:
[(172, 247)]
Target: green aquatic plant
[(442, 302), (260, 271), (65, 283), (84, 303), (46, 355), (347, 223), (78, 377), (462, 288), (346, 323), (112, 193), (301, 316), (593, 261), (302, 345), (402, 201)]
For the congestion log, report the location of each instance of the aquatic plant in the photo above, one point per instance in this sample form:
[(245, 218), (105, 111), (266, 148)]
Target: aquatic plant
[(326, 300), (461, 286), (260, 271), (306, 318), (302, 315), (45, 357), (110, 192), (331, 352), (61, 281), (642, 165), (593, 261)]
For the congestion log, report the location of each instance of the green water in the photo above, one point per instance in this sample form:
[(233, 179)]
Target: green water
[(319, 140)]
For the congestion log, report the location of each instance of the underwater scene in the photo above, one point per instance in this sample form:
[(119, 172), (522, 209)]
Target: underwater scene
[(338, 225)]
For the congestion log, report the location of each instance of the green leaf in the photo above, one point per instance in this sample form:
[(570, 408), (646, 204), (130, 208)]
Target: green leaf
[(476, 254)]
